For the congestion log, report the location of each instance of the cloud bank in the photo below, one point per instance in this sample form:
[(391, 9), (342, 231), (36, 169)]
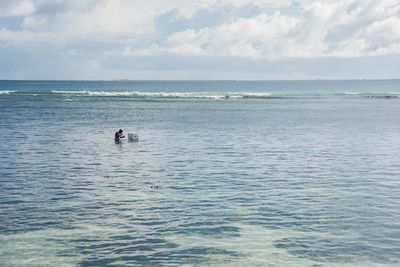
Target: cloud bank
[(203, 39)]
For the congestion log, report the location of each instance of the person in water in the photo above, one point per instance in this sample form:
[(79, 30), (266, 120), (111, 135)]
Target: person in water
[(118, 135)]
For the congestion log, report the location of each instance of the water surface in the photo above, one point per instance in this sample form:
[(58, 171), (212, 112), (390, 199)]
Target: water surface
[(295, 173)]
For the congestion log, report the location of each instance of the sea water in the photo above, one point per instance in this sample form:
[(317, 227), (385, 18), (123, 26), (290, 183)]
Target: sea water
[(226, 173)]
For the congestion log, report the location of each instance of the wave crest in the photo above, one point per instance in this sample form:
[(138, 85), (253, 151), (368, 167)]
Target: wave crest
[(7, 92), (204, 95)]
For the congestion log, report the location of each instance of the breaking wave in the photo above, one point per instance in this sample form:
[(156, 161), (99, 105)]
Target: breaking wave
[(203, 95), (7, 92), (223, 95)]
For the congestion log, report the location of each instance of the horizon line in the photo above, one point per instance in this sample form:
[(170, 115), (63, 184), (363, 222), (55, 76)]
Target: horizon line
[(190, 80)]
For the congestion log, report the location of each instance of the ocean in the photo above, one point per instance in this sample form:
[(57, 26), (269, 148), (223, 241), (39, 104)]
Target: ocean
[(225, 173)]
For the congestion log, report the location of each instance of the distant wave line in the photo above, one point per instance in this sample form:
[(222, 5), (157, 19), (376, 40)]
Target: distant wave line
[(372, 95), (207, 95), (228, 95), (203, 95)]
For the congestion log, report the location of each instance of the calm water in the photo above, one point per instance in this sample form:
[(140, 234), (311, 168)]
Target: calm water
[(225, 173)]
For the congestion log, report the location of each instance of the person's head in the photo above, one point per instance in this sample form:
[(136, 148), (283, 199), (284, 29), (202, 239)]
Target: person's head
[(120, 131)]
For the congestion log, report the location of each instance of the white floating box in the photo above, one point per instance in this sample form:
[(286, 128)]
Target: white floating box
[(133, 137)]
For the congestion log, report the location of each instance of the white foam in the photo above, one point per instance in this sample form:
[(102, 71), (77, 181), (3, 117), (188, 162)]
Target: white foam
[(204, 95), (351, 93), (110, 93), (7, 92)]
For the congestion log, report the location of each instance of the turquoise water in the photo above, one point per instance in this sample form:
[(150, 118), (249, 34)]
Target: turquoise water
[(228, 173)]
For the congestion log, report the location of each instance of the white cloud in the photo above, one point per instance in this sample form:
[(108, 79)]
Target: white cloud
[(14, 8), (319, 29), (256, 30), (254, 35), (388, 29), (34, 22), (323, 29), (27, 38)]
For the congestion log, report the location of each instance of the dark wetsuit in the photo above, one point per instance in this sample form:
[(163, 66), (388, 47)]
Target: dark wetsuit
[(116, 136)]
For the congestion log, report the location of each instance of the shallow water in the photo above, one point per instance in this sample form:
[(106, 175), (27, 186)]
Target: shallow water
[(309, 178)]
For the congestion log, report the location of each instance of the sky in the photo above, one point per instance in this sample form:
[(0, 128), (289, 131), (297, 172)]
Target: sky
[(199, 39)]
